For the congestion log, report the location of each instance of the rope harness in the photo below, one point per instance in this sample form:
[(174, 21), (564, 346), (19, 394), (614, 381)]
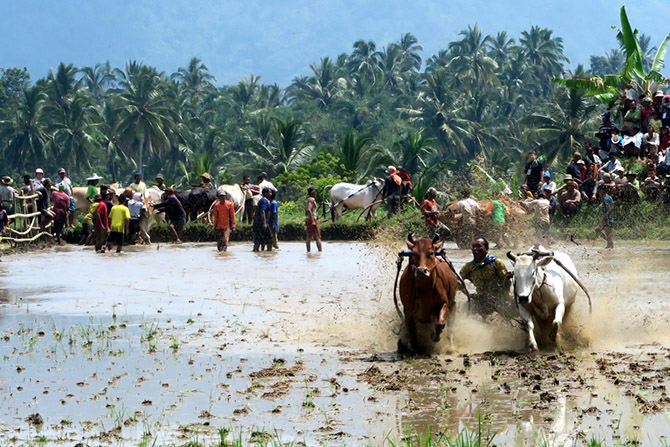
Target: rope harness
[(408, 254), (350, 196)]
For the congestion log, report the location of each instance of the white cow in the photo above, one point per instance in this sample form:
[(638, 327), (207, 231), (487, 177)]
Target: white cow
[(544, 291), (356, 197)]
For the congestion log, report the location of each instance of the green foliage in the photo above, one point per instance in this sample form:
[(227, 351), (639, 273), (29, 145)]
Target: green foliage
[(323, 171)]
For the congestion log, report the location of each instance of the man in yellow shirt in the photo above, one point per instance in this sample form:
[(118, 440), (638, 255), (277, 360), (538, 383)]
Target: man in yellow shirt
[(120, 220), (138, 185)]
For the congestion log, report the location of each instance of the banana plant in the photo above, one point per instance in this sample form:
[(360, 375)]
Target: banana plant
[(613, 88)]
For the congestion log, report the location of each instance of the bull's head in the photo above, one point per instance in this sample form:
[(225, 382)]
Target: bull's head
[(423, 259), (527, 269)]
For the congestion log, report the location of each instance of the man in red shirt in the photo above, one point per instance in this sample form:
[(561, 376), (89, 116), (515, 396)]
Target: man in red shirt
[(224, 220), (101, 224), (430, 214)]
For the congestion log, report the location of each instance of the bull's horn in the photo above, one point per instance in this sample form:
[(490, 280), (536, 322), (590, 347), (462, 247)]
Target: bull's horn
[(511, 256), (436, 238), (410, 237)]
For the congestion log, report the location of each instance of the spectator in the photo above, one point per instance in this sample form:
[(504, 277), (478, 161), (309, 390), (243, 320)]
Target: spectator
[(645, 114), (650, 139), (7, 194), (430, 215), (632, 116), (658, 104), (262, 232), (615, 146), (4, 220), (604, 134), (206, 181), (61, 207), (613, 163), (651, 185), (589, 187), (139, 186), (665, 111), (39, 177), (175, 212), (619, 180), (573, 168), (27, 190), (87, 221), (311, 222), (569, 199), (607, 220), (248, 215), (119, 228), (135, 207), (540, 207), (391, 191), (46, 215), (92, 187), (533, 173), (655, 123), (224, 220), (274, 219), (631, 190), (664, 139), (548, 184), (591, 158), (101, 225), (160, 181), (63, 178), (264, 182)]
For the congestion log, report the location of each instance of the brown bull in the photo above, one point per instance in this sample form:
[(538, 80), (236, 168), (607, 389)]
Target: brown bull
[(427, 289)]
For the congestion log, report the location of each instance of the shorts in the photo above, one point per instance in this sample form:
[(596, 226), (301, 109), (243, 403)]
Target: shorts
[(115, 238), (134, 226), (179, 223), (313, 230), (58, 226)]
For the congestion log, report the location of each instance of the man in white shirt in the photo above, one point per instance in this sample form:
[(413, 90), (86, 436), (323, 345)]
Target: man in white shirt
[(139, 185), (39, 176), (264, 182), (613, 163)]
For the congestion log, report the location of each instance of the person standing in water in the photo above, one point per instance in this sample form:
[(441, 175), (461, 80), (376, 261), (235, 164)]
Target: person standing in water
[(311, 222)]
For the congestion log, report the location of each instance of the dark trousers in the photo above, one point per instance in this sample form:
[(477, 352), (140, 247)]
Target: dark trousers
[(248, 216)]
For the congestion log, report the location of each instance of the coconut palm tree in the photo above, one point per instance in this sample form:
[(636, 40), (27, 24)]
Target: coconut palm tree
[(285, 149), (544, 53), (413, 153), (470, 60), (195, 77), (23, 136), (354, 153), (409, 50), (363, 60), (146, 118)]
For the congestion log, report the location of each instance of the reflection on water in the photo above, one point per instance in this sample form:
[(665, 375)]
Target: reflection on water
[(187, 329)]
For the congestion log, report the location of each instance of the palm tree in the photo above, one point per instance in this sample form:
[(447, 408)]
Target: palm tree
[(611, 62), (195, 77), (146, 118), (500, 47), (98, 79), (563, 130), (285, 149), (72, 141), (363, 60), (409, 50), (412, 153), (322, 88), (543, 53), (24, 134), (354, 153), (471, 61)]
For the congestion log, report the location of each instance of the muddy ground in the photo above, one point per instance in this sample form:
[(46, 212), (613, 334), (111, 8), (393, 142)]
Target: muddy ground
[(169, 344)]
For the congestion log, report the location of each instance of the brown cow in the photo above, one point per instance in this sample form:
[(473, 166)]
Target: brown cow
[(427, 289)]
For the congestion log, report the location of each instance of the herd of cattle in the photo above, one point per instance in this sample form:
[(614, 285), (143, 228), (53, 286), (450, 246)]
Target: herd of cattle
[(545, 285)]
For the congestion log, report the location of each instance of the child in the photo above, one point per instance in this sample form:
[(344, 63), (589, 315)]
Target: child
[(224, 220), (607, 207), (311, 222), (87, 222), (274, 219), (655, 122), (120, 217)]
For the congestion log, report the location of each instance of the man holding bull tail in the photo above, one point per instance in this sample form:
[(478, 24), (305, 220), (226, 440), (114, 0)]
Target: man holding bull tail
[(491, 279)]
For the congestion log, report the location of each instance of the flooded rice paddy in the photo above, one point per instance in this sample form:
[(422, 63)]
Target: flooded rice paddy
[(169, 344)]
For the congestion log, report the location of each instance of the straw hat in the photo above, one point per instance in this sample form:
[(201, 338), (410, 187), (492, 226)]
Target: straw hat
[(94, 177), (7, 180), (206, 176)]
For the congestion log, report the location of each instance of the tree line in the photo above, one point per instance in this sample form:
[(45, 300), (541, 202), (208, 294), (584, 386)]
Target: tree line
[(484, 99)]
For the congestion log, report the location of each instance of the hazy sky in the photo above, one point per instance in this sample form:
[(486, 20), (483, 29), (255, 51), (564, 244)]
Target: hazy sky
[(279, 39)]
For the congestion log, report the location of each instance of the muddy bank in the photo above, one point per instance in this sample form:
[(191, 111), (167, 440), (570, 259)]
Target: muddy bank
[(172, 343)]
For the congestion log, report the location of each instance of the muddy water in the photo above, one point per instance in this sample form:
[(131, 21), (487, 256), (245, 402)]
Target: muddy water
[(171, 343)]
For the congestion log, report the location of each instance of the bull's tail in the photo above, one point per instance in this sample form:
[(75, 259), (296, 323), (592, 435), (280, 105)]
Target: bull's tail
[(573, 276)]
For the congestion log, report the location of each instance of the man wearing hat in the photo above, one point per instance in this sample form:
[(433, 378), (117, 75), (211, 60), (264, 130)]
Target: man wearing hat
[(223, 219), (160, 182), (548, 184), (311, 222), (657, 103), (391, 190), (63, 178), (39, 176), (7, 194), (206, 181), (631, 190), (569, 199), (139, 186), (431, 212), (92, 187)]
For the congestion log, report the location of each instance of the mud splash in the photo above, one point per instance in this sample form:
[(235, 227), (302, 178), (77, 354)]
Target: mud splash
[(171, 343)]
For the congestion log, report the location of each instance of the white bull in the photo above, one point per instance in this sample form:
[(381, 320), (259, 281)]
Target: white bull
[(236, 196), (545, 286), (356, 197)]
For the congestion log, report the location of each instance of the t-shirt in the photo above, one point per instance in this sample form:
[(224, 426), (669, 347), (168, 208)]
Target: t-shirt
[(43, 200), (391, 187), (430, 206), (118, 215), (7, 195), (550, 186), (498, 213), (68, 185), (656, 125), (88, 218), (488, 277), (172, 207), (534, 172), (633, 117), (91, 192), (61, 203), (266, 184), (611, 165), (224, 215), (101, 217), (140, 187), (274, 215), (135, 208), (541, 209)]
